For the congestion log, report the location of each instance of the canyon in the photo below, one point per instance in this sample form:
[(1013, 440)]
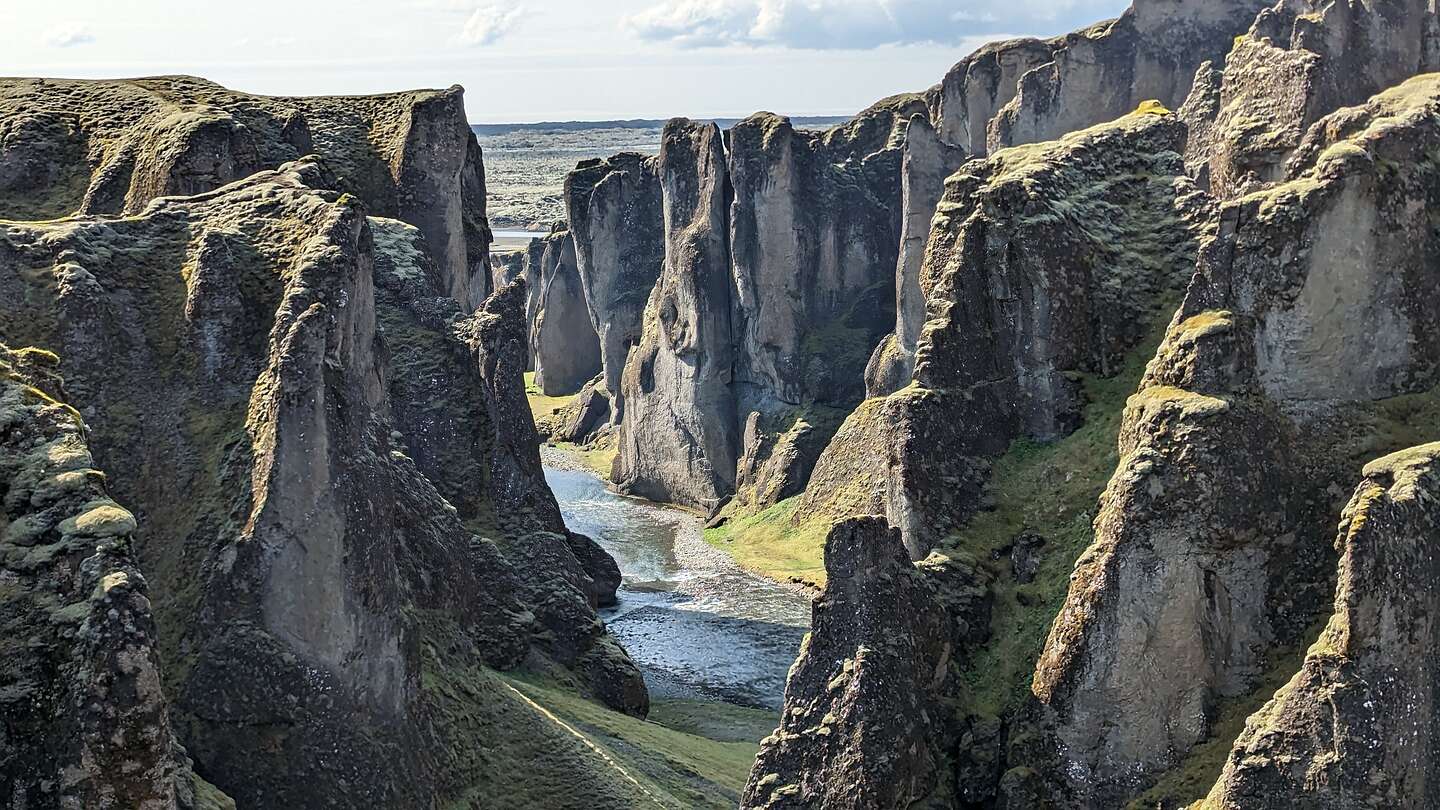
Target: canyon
[(1088, 398)]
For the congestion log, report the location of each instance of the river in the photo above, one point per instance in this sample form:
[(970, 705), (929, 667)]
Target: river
[(698, 625)]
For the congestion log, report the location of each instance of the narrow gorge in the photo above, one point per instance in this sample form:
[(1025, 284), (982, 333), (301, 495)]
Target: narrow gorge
[(1064, 435)]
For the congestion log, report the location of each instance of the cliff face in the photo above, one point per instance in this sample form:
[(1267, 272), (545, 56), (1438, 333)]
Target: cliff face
[(975, 90), (86, 723), (677, 441), (113, 146), (799, 294), (282, 390), (1299, 62), (1211, 544), (1367, 688), (616, 216), (1102, 72), (928, 160), (564, 349), (1022, 300)]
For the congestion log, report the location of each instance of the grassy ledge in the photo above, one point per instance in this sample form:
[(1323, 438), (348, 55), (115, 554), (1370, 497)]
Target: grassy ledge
[(770, 545)]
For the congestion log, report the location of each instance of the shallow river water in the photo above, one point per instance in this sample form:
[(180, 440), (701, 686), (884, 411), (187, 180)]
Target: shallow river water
[(698, 625)]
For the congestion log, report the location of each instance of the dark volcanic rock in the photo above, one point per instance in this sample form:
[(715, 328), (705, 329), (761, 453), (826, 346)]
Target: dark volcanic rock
[(856, 732), (242, 376), (677, 442), (1108, 69), (1021, 300), (85, 721), (113, 146), (565, 352), (1301, 61)]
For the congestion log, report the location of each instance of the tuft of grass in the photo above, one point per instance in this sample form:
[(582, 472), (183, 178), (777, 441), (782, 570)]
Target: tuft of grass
[(598, 456), (772, 545)]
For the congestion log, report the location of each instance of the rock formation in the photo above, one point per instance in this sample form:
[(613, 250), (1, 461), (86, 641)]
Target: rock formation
[(928, 161), (564, 349), (1355, 727), (287, 397), (974, 91), (1106, 70), (1299, 62), (617, 221), (1308, 320), (86, 723), (856, 731), (111, 147), (677, 443), (1044, 264)]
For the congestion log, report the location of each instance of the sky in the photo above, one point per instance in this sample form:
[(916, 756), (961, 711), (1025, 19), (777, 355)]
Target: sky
[(539, 60)]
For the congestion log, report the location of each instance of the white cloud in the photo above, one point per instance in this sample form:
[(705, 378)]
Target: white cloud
[(487, 24), (848, 24), (69, 36)]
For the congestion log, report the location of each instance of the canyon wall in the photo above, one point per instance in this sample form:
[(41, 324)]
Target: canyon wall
[(334, 493), (1303, 348), (564, 349)]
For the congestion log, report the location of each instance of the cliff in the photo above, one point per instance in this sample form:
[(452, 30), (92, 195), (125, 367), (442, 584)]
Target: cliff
[(1366, 688), (1106, 70), (1044, 264), (1297, 63), (1261, 402), (281, 390), (86, 723), (564, 349), (110, 147), (615, 213)]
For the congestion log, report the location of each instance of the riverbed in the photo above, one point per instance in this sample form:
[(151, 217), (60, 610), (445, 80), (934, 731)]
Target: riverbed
[(698, 625)]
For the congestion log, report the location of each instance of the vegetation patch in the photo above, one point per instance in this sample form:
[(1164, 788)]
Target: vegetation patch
[(772, 545), (1052, 491)]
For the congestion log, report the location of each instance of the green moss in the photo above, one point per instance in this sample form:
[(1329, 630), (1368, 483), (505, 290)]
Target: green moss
[(543, 407), (772, 545), (1051, 490), (723, 722)]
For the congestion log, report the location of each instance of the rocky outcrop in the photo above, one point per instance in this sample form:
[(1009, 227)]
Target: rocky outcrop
[(282, 390), (809, 225), (928, 161), (617, 221), (86, 723), (1300, 61), (1022, 301), (974, 91), (563, 343), (1307, 322), (677, 442), (1106, 70), (96, 147), (1355, 726), (857, 732)]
